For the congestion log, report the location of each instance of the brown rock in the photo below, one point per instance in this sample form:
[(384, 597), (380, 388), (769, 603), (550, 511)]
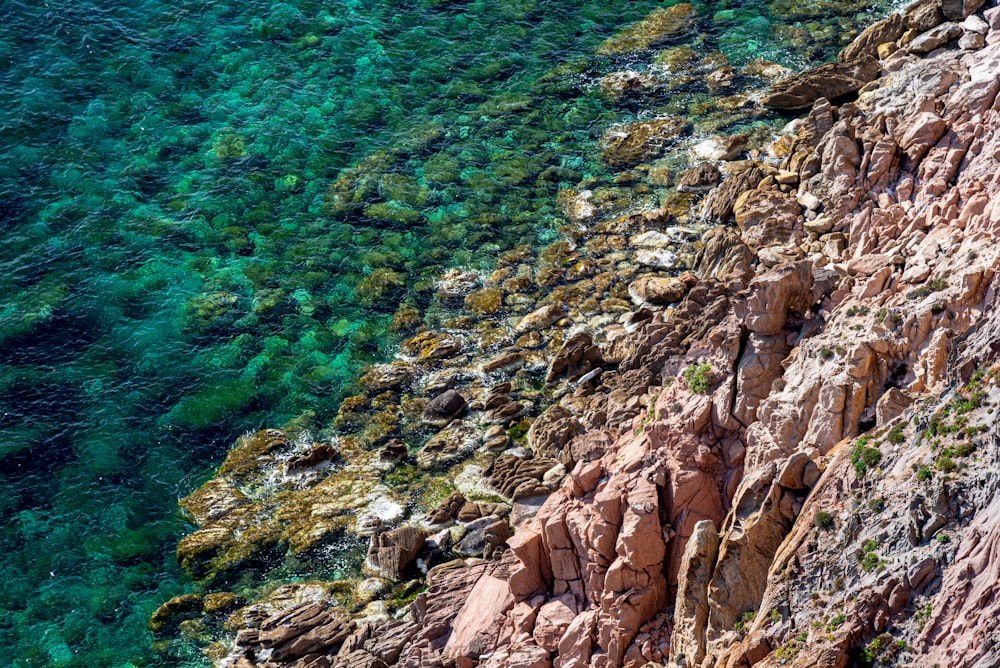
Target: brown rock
[(766, 217), (718, 205), (654, 289), (632, 143), (392, 552), (830, 81), (888, 29), (550, 433), (539, 318), (700, 178), (775, 293), (577, 357), (317, 454), (956, 10), (724, 250), (443, 408), (393, 451), (691, 612), (935, 37), (922, 15)]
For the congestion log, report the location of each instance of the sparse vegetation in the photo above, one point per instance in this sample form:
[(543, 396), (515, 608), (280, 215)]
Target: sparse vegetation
[(924, 473), (826, 353), (932, 286), (835, 622), (864, 457), (698, 377), (922, 615), (876, 505), (945, 464), (871, 561), (823, 520), (880, 314), (895, 435), (941, 538), (743, 623)]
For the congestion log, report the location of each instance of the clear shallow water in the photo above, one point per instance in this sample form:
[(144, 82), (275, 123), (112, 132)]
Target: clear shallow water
[(187, 253)]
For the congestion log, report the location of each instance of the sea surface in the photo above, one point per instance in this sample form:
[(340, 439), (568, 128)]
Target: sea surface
[(176, 267)]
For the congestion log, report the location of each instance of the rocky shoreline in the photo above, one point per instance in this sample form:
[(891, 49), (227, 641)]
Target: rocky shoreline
[(694, 442)]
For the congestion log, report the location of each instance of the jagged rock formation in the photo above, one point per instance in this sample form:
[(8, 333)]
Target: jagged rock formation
[(794, 464)]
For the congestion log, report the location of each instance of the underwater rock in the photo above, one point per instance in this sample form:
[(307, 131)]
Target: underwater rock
[(485, 301), (662, 24), (174, 611), (619, 85), (539, 318), (431, 346), (455, 284), (632, 143)]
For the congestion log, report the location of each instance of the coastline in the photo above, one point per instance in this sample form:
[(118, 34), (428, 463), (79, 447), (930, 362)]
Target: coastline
[(653, 417)]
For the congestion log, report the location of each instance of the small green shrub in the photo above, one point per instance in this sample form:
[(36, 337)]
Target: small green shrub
[(895, 435), (864, 457), (941, 538), (698, 377), (870, 561), (876, 505), (945, 463), (744, 622), (932, 286), (823, 520), (826, 353), (924, 473), (835, 622), (870, 545), (922, 615)]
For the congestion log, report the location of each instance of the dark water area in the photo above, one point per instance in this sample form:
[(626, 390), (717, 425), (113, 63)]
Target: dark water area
[(210, 213)]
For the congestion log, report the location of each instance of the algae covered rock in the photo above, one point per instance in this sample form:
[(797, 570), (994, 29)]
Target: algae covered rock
[(632, 143), (662, 24)]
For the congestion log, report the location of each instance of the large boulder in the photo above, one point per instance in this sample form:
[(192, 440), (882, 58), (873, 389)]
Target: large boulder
[(391, 553), (830, 81)]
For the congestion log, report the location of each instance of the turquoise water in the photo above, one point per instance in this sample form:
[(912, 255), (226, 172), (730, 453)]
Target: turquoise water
[(210, 213)]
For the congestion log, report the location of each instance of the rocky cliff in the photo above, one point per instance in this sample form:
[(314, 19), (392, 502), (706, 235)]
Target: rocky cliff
[(786, 456)]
